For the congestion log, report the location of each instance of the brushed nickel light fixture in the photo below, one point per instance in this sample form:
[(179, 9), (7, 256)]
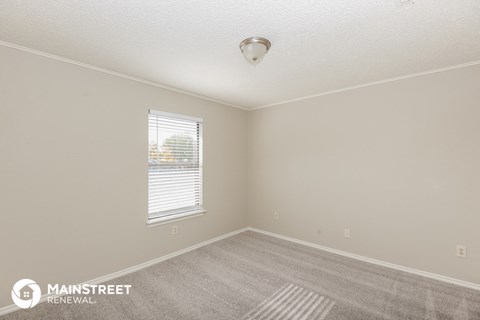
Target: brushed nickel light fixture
[(254, 49)]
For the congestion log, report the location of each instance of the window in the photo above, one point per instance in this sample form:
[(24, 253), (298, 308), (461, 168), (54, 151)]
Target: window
[(174, 166)]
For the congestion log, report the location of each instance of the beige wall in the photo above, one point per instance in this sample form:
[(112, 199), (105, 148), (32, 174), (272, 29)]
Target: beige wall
[(397, 163), (73, 172)]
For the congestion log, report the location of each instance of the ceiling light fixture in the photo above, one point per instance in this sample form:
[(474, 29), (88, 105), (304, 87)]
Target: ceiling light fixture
[(254, 49)]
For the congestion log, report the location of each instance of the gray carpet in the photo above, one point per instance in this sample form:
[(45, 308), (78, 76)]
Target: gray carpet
[(252, 276)]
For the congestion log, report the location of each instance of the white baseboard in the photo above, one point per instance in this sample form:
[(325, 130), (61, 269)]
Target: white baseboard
[(111, 276), (430, 275)]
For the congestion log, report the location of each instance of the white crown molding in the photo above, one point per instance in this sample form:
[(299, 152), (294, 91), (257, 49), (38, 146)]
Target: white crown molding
[(111, 276), (425, 274), (369, 84), (114, 73), (155, 84)]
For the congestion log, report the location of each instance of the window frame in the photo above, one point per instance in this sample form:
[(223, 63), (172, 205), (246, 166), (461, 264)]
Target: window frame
[(181, 213)]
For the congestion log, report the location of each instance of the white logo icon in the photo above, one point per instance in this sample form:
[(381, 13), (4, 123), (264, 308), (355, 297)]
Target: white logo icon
[(26, 293)]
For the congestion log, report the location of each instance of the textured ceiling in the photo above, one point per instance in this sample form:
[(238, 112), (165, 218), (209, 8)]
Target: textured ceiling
[(317, 46)]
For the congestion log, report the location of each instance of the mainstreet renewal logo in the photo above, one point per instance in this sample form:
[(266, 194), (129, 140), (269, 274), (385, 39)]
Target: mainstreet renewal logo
[(26, 293)]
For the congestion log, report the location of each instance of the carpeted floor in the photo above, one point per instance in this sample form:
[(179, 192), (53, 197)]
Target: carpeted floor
[(252, 276)]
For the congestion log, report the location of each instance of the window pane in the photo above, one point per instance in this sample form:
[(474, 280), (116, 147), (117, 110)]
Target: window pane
[(174, 165)]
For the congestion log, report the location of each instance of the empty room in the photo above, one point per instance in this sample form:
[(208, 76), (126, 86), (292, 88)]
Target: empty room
[(240, 160)]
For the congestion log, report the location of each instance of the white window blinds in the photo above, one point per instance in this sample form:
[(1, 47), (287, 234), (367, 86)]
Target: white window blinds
[(174, 164)]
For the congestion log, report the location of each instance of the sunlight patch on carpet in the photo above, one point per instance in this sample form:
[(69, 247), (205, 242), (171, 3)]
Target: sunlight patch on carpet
[(292, 302)]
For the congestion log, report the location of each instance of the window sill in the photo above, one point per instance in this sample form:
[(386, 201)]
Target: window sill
[(174, 218)]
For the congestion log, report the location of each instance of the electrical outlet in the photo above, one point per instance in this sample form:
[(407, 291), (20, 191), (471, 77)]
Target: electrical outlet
[(346, 233), (275, 215), (461, 251), (174, 229)]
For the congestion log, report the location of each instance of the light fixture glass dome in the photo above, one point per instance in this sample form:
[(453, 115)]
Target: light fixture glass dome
[(254, 49)]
